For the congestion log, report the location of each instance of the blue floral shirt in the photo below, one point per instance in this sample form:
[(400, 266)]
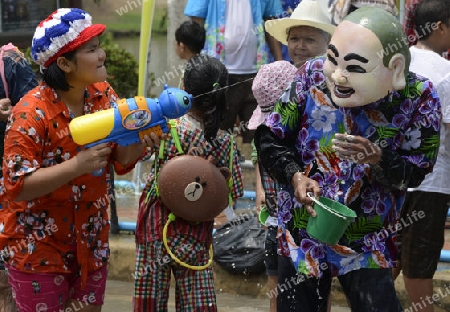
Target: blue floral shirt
[(405, 125), (213, 12)]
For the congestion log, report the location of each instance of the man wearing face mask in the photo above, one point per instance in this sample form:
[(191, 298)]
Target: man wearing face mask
[(356, 127)]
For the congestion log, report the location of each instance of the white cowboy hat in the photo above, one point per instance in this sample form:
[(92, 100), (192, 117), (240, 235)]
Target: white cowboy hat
[(307, 13)]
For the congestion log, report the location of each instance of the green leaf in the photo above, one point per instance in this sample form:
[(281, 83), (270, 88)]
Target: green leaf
[(325, 146), (386, 132), (362, 226), (300, 217), (372, 264), (288, 112), (430, 146), (413, 91)]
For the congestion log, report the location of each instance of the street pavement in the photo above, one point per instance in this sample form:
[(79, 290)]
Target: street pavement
[(119, 293)]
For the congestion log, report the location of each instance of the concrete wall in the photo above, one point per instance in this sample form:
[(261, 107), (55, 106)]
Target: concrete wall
[(175, 9)]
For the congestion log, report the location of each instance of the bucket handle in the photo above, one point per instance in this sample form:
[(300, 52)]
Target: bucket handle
[(311, 195)]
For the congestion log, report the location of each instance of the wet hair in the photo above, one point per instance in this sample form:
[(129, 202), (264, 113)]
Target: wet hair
[(192, 35), (206, 79), (429, 12), (54, 77)]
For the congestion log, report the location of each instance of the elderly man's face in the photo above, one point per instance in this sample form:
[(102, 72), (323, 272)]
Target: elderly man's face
[(305, 42), (354, 70)]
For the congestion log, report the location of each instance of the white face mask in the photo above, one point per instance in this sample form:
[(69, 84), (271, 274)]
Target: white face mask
[(354, 70)]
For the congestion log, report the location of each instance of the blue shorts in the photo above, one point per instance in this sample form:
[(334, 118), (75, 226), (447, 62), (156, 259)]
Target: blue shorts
[(271, 256)]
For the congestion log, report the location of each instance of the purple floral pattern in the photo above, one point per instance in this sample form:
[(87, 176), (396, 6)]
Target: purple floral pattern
[(402, 121)]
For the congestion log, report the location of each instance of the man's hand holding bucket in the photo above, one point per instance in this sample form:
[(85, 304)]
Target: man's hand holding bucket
[(303, 185)]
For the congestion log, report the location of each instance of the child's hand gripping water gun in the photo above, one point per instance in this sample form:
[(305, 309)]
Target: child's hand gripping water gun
[(127, 122)]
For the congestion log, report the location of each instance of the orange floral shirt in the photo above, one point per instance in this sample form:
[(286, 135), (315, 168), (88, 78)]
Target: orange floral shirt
[(46, 233)]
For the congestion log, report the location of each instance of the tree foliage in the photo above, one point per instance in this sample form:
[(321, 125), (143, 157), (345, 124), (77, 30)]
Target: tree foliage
[(122, 68)]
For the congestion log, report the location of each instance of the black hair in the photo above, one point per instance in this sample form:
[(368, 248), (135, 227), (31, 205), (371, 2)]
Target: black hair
[(192, 35), (206, 78), (54, 77), (429, 12)]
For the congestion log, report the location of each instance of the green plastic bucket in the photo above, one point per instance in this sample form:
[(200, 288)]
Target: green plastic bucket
[(331, 221), (263, 215)]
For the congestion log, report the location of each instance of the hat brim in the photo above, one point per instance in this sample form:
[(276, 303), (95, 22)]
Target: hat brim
[(257, 118), (87, 34), (278, 28)]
